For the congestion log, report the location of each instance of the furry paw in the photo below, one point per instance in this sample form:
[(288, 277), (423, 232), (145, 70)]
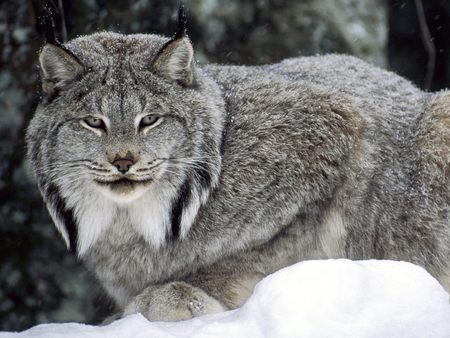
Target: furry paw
[(108, 320), (172, 302)]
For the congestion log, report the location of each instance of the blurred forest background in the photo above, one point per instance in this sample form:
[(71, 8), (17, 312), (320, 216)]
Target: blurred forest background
[(39, 280)]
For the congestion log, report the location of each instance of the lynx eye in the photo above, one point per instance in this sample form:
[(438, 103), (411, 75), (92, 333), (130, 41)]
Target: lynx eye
[(95, 122), (149, 120)]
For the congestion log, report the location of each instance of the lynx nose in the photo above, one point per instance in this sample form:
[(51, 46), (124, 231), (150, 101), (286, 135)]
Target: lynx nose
[(123, 164)]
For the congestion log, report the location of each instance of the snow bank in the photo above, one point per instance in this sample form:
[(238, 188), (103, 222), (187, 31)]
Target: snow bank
[(331, 298)]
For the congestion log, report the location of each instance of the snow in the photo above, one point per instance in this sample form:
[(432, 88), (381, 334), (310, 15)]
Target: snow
[(329, 298)]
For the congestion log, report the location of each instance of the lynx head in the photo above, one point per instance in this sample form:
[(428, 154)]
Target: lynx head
[(127, 128)]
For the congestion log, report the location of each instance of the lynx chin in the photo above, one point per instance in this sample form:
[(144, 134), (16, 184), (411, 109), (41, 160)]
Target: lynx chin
[(181, 186)]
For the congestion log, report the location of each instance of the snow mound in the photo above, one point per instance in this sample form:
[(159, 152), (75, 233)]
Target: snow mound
[(329, 298)]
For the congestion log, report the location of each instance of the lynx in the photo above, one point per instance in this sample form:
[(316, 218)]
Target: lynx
[(181, 186)]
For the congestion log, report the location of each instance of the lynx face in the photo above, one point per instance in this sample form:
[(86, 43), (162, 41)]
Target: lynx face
[(125, 144), (124, 124)]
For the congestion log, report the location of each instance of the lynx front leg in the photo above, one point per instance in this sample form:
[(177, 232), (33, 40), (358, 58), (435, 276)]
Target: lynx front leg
[(229, 284), (172, 302), (222, 286)]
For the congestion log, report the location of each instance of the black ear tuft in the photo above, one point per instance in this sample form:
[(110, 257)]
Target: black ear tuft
[(181, 23), (48, 26)]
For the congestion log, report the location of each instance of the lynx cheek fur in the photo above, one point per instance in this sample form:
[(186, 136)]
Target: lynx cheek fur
[(181, 186)]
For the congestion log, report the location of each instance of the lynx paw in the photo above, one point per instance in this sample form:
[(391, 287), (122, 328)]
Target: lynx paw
[(172, 302)]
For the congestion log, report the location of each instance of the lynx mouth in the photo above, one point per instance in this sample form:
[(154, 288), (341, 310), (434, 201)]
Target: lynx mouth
[(123, 185)]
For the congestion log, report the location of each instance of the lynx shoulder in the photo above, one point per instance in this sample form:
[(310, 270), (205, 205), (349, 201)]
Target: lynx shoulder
[(180, 186)]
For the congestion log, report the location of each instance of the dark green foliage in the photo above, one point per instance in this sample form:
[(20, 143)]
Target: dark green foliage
[(406, 51)]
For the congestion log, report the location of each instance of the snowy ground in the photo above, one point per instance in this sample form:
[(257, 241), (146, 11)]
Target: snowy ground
[(332, 298)]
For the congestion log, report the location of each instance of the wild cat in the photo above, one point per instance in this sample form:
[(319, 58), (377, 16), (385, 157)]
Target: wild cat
[(181, 186)]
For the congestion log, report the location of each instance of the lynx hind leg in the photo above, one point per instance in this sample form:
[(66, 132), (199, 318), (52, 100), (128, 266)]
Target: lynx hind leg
[(172, 302), (434, 136)]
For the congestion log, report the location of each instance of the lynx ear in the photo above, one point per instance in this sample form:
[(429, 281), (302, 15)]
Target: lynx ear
[(58, 66), (174, 61)]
